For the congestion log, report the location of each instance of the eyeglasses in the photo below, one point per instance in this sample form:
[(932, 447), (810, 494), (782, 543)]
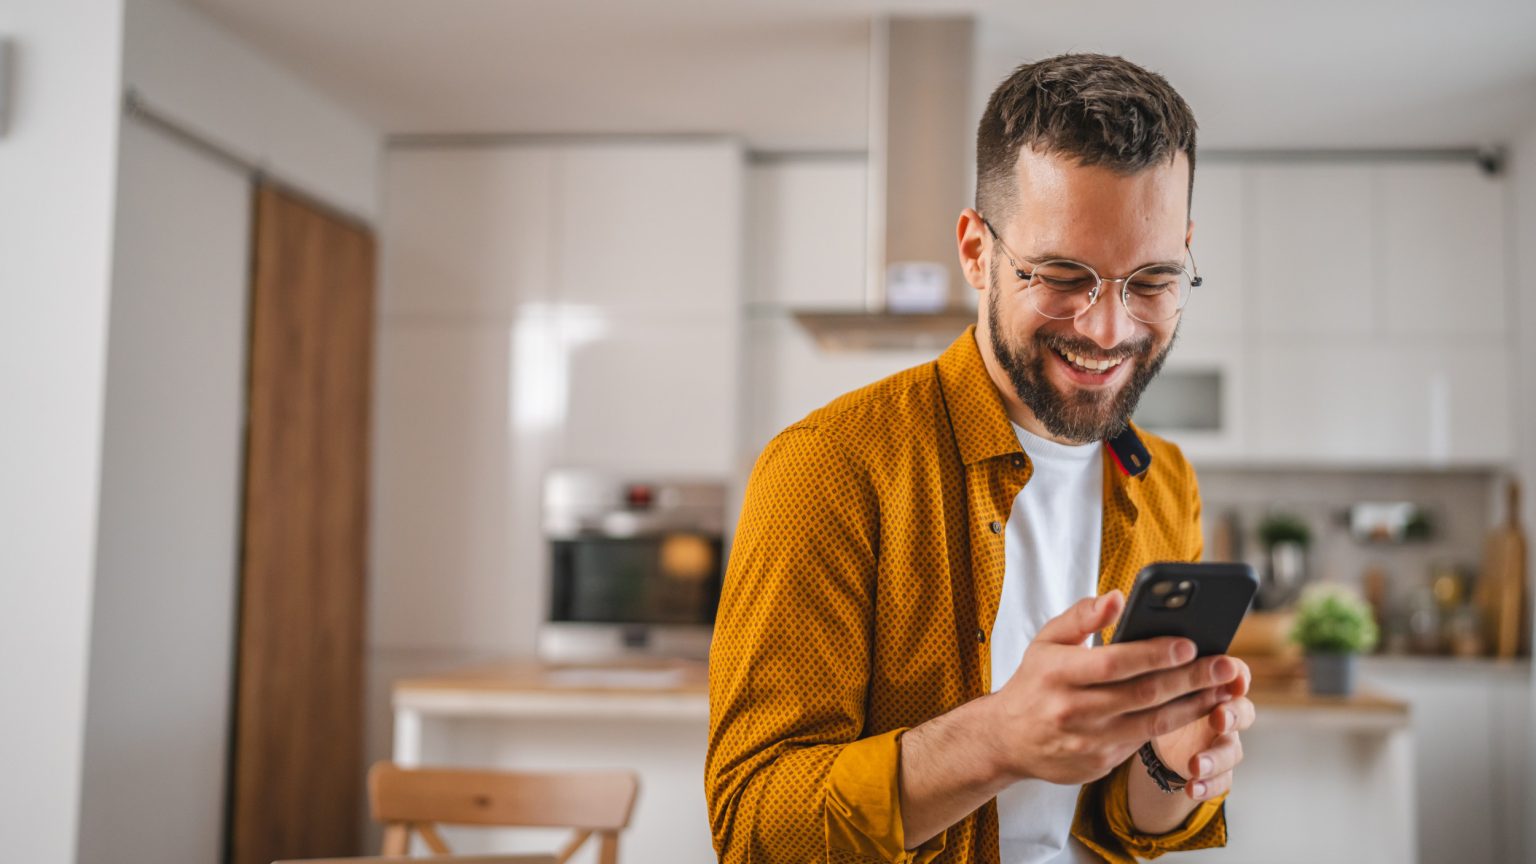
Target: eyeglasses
[(1063, 289)]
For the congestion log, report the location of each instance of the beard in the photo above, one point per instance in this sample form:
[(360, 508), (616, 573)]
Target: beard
[(1081, 415)]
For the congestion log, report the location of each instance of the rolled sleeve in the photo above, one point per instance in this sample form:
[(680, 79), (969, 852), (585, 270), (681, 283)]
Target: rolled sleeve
[(864, 803), (1103, 823)]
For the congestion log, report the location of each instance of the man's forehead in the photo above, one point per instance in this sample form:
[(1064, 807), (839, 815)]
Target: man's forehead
[(1048, 176), (1096, 214)]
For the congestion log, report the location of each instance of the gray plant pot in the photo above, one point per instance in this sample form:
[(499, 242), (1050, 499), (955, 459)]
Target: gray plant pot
[(1331, 674)]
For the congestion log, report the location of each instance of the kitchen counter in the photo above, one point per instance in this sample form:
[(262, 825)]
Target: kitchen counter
[(1343, 767), (679, 690)]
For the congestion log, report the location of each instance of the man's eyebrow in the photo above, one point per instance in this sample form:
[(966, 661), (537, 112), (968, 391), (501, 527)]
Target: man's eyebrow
[(1057, 256)]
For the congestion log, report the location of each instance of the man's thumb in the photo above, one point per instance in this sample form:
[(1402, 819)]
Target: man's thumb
[(1086, 617)]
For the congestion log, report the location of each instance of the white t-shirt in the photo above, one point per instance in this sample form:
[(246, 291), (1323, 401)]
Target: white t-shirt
[(1051, 560)]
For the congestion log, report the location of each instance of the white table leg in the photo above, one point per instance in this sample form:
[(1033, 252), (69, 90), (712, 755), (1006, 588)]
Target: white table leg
[(407, 750)]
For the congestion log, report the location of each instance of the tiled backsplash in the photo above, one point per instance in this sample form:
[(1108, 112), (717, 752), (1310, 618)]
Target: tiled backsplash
[(1461, 506)]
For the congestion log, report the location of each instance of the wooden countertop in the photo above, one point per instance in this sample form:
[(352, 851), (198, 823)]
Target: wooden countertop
[(679, 690)]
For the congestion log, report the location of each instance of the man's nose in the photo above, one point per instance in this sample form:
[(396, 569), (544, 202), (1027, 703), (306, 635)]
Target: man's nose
[(1106, 322)]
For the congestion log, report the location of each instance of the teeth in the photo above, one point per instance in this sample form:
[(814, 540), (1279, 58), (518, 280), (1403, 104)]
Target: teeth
[(1095, 365)]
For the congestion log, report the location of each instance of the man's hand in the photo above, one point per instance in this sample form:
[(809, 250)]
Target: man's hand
[(1208, 749), (1071, 714)]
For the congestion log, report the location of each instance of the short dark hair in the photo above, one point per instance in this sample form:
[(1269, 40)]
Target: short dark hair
[(1102, 110)]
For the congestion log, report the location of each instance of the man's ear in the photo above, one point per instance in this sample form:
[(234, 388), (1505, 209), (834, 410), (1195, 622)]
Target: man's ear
[(1189, 234), (971, 243)]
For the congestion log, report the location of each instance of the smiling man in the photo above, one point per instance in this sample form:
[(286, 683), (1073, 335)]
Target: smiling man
[(902, 668)]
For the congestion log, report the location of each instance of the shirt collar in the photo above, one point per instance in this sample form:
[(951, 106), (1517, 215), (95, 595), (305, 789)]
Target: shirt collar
[(980, 422)]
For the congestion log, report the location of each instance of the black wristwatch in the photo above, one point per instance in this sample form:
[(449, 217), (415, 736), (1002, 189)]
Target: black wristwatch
[(1166, 778)]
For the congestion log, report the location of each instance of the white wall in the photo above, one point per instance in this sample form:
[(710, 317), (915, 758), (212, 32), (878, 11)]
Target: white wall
[(1522, 165), (162, 634), (187, 65), (57, 163), (162, 653)]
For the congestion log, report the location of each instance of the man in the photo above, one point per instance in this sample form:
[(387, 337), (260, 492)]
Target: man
[(900, 671)]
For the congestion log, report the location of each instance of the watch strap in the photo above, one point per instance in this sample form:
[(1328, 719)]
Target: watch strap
[(1166, 778)]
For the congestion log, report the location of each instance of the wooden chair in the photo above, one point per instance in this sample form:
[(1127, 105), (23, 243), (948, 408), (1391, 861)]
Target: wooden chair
[(417, 799)]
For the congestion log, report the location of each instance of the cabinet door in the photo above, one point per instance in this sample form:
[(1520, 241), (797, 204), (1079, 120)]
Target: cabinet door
[(1314, 255), (650, 226), (805, 227), (1217, 308), (648, 394), (468, 231), (1443, 251), (1200, 399), (1330, 400)]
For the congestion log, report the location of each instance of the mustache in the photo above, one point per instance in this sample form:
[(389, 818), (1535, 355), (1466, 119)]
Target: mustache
[(1088, 348)]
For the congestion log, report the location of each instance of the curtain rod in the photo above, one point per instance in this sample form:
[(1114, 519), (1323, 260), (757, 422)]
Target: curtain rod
[(135, 106)]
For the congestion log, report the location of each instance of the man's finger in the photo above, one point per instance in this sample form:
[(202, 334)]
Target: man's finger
[(1156, 688), (1152, 722), (1110, 663), (1223, 755), (1235, 716), (1204, 790), (1086, 617)]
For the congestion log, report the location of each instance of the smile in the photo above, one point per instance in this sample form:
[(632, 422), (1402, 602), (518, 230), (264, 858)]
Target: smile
[(1089, 364)]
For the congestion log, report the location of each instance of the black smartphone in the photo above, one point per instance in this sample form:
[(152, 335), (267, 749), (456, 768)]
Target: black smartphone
[(1200, 602)]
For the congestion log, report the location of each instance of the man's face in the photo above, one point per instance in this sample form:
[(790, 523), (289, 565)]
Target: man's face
[(1115, 224)]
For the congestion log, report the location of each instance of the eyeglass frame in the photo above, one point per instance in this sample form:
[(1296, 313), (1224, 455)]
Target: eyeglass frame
[(1195, 279)]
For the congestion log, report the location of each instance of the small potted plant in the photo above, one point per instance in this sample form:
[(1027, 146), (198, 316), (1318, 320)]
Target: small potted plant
[(1285, 537), (1333, 625)]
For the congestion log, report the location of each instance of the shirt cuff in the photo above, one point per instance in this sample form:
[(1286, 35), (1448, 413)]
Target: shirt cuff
[(863, 803), (1114, 836)]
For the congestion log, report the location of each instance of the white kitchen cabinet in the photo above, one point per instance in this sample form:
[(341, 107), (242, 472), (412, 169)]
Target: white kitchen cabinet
[(1199, 401), (1314, 260), (650, 226), (1218, 308), (1386, 403), (1470, 722), (806, 232), (546, 304), (467, 231), (651, 394), (1442, 261)]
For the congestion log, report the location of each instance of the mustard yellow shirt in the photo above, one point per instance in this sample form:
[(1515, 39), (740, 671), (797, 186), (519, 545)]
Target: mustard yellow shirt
[(863, 581)]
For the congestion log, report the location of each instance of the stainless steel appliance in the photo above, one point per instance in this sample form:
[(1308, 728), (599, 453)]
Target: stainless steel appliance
[(635, 566)]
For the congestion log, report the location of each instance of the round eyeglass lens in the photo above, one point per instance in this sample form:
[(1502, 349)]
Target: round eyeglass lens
[(1156, 294), (1062, 289)]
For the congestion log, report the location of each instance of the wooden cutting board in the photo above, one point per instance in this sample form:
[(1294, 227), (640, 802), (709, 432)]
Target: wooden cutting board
[(1503, 592)]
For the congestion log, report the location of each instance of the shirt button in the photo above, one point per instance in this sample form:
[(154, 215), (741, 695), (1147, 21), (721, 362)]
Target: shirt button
[(981, 636), (1018, 461), (997, 527)]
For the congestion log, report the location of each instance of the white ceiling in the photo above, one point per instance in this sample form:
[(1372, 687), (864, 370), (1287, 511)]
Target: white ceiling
[(791, 74)]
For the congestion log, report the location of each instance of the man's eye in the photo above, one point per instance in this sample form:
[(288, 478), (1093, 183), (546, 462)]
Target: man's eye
[(1147, 287), (1064, 283)]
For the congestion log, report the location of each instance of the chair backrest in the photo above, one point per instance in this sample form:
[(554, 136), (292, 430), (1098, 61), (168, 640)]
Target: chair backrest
[(418, 799)]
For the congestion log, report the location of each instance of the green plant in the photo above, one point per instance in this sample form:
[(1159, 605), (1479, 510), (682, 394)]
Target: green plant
[(1283, 528), (1333, 620)]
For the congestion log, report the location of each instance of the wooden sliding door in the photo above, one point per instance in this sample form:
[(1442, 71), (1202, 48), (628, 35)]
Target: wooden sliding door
[(298, 772)]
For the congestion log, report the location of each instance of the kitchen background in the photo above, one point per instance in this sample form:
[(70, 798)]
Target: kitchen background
[(599, 227)]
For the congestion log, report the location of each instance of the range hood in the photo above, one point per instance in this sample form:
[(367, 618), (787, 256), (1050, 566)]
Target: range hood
[(919, 179)]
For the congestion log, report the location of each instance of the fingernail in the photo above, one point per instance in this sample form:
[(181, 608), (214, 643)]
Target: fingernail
[(1231, 719), (1224, 670), (1184, 651), (1204, 766), (1199, 790)]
